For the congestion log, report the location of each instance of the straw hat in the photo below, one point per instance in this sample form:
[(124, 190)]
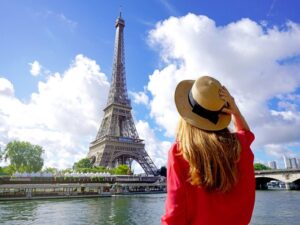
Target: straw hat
[(198, 103)]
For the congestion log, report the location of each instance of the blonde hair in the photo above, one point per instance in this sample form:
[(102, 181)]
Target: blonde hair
[(212, 156)]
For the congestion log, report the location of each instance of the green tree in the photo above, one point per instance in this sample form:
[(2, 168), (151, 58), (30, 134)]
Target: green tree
[(101, 169), (1, 154), (260, 166), (50, 170), (2, 171), (7, 170), (122, 170), (82, 163), (162, 171), (67, 170), (23, 156)]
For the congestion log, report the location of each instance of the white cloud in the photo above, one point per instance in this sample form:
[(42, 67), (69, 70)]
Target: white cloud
[(286, 115), (278, 151), (35, 69), (289, 102), (156, 149), (6, 87), (162, 85), (245, 56), (62, 116), (139, 97)]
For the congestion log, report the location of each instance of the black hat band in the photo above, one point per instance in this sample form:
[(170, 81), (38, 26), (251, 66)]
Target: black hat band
[(212, 116)]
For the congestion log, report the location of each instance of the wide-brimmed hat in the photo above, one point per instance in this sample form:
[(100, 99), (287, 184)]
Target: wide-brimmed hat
[(198, 103)]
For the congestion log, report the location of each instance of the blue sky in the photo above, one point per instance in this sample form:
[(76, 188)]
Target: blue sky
[(56, 62)]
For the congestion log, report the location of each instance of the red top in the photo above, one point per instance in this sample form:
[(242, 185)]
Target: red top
[(187, 204)]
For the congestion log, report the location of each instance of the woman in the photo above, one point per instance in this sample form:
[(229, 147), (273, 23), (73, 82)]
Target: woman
[(210, 175)]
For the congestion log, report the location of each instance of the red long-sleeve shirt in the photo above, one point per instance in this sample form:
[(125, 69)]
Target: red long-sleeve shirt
[(188, 204)]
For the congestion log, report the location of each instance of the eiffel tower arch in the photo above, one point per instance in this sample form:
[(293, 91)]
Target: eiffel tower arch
[(117, 141)]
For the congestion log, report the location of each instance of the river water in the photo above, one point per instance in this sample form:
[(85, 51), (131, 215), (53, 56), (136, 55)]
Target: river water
[(271, 208)]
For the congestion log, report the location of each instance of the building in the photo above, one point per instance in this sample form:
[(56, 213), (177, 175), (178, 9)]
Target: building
[(291, 163), (117, 141), (294, 163), (273, 165), (287, 162)]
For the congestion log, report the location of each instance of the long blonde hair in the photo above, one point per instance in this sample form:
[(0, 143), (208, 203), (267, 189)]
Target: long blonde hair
[(212, 156)]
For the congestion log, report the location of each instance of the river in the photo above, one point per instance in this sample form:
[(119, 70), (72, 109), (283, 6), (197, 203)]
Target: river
[(271, 208)]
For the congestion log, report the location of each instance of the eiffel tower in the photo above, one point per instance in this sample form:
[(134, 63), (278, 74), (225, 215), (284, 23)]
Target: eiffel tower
[(117, 141)]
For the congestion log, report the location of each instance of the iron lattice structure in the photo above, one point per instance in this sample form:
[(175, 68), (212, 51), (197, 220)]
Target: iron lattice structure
[(117, 141)]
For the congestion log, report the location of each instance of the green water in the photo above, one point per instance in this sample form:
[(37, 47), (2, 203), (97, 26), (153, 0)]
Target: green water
[(271, 208)]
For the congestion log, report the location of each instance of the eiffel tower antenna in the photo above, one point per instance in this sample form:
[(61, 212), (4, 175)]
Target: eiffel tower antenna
[(117, 141), (120, 11)]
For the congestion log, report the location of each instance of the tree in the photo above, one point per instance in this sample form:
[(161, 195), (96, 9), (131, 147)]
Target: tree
[(7, 170), (162, 171), (50, 170), (67, 170), (2, 171), (83, 163), (122, 170), (1, 154), (23, 156), (260, 166)]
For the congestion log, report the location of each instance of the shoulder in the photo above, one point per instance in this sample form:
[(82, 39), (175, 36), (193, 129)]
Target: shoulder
[(174, 151), (174, 148), (175, 156), (245, 136)]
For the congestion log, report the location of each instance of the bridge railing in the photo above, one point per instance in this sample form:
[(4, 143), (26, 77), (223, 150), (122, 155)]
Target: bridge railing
[(257, 172)]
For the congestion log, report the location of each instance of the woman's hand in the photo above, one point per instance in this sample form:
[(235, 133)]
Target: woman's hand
[(231, 107)]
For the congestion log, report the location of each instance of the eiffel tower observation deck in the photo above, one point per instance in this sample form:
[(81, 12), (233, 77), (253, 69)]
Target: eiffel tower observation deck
[(117, 141)]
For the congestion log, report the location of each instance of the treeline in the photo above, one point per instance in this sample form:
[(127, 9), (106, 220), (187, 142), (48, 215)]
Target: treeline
[(260, 166), (85, 166)]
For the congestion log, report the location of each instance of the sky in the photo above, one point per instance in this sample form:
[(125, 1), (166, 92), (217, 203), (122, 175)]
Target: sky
[(56, 65)]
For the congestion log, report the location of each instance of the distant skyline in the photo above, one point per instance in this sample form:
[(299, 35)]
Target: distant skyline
[(56, 64)]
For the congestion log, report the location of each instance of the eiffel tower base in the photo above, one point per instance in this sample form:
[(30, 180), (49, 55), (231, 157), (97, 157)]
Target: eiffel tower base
[(114, 151)]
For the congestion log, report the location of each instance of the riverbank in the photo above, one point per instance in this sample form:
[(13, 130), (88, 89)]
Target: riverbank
[(23, 189)]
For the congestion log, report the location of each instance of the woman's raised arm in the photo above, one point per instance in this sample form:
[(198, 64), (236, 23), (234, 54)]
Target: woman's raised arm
[(238, 120)]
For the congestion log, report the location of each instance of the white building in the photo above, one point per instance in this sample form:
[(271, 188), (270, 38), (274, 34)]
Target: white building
[(287, 162), (273, 165), (291, 163), (298, 163), (294, 163)]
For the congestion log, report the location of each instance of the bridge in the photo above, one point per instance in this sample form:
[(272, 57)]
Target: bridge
[(290, 177)]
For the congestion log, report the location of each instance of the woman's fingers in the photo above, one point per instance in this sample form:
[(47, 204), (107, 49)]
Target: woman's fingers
[(225, 95), (230, 104), (227, 111)]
